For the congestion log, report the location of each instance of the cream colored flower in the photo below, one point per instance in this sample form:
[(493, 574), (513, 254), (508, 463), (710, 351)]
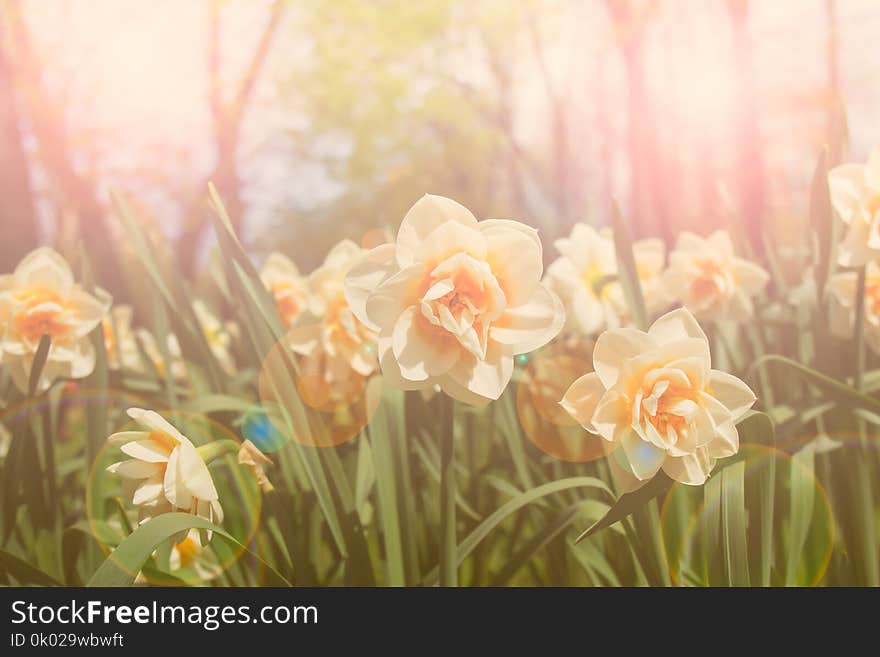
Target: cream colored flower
[(288, 287), (655, 396), (217, 335), (328, 334), (252, 457), (855, 195), (165, 472), (151, 349), (584, 277), (39, 298), (708, 278), (454, 299), (119, 340), (190, 554), (844, 291)]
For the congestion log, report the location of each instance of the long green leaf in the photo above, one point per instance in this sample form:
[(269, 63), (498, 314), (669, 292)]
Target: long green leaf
[(824, 226), (733, 522), (627, 271), (24, 572), (838, 390), (511, 506), (629, 503), (123, 564)]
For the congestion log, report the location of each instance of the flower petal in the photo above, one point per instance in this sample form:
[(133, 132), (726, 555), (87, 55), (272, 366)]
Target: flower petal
[(675, 325), (644, 458), (374, 267), (518, 276), (487, 378), (530, 325), (581, 399), (425, 216), (614, 348), (421, 350), (692, 469), (732, 392)]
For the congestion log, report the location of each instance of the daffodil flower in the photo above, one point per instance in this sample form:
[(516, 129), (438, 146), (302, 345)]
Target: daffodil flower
[(855, 195), (707, 278), (655, 395), (454, 300), (844, 291), (41, 298), (119, 340), (585, 278), (289, 288), (165, 472), (328, 334)]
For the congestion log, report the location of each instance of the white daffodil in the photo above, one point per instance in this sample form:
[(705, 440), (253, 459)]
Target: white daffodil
[(217, 334), (190, 554), (151, 349), (844, 291), (855, 195), (41, 298), (288, 287), (119, 340), (656, 397), (165, 472), (707, 278), (328, 334), (454, 299), (584, 277)]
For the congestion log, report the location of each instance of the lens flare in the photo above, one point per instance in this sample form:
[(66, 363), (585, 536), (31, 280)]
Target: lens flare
[(317, 407), (693, 521), (546, 377)]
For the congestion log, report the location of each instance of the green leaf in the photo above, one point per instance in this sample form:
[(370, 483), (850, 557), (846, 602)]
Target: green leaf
[(733, 522), (627, 271), (629, 503), (386, 486), (511, 506), (758, 429), (803, 493), (39, 363), (216, 404), (838, 390), (123, 564), (824, 226), (24, 572)]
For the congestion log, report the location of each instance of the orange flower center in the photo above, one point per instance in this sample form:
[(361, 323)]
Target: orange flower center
[(710, 281), (872, 296), (109, 336), (873, 205), (287, 300), (461, 297), (188, 550), (42, 312)]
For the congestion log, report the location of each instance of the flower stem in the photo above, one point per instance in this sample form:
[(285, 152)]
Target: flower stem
[(448, 547)]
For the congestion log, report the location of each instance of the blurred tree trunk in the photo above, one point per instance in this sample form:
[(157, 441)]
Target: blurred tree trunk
[(505, 120), (17, 218), (649, 214), (750, 165), (561, 156), (74, 193), (227, 120), (836, 116)]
